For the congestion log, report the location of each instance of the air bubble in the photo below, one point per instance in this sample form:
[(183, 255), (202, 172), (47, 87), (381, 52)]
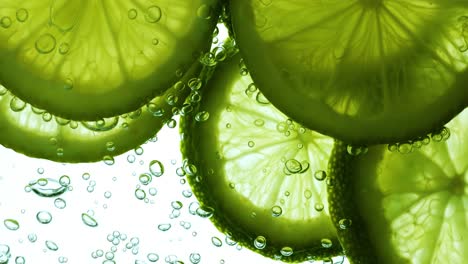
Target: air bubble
[(18, 260), (345, 223), (60, 203), (109, 160), (4, 253), (195, 258), (405, 148), (286, 251), (326, 243), (88, 220), (320, 175), (132, 13), (164, 227), (195, 84), (5, 22), (202, 116), (51, 245), (22, 15), (145, 178), (152, 257), (11, 224), (204, 212), (17, 105), (276, 211), (216, 242), (259, 122), (140, 194), (46, 187), (44, 217), (45, 43), (318, 207), (293, 166), (153, 14), (261, 99), (64, 48), (356, 150), (204, 11), (260, 242)]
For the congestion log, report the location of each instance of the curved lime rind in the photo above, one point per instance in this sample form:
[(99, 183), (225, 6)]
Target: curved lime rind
[(37, 133), (194, 145)]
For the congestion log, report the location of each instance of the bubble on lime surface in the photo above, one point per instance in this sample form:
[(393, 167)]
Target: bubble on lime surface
[(45, 43)]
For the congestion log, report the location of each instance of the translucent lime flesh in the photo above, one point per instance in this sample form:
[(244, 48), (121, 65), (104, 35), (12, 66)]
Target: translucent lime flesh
[(37, 133), (361, 71), (263, 175), (85, 60), (411, 208)]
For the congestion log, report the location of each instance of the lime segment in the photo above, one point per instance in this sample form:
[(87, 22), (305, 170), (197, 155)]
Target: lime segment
[(37, 133), (85, 60), (262, 175), (410, 208), (363, 71)]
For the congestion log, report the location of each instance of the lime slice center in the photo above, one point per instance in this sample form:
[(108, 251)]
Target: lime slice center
[(371, 3), (458, 185)]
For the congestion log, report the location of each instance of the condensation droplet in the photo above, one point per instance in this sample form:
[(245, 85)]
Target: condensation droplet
[(45, 43)]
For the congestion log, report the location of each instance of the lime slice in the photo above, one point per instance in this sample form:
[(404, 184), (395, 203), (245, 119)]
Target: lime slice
[(261, 175), (405, 208), (85, 60), (363, 71), (37, 133)]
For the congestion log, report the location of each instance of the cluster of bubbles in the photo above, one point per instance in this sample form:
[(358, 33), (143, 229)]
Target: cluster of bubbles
[(411, 145)]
